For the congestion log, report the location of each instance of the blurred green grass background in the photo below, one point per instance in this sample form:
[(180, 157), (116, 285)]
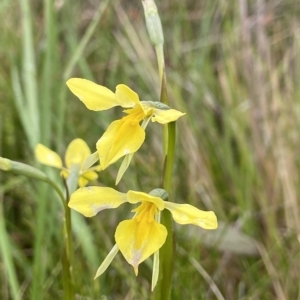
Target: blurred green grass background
[(233, 67)]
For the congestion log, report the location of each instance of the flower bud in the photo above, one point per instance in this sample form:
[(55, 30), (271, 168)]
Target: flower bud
[(22, 169), (161, 193), (5, 164), (153, 22)]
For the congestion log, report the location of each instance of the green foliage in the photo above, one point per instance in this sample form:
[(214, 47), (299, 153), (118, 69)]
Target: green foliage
[(233, 67)]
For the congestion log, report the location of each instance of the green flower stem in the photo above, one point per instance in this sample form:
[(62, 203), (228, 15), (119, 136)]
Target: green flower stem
[(59, 192), (170, 157), (160, 61), (162, 290), (164, 99), (68, 258), (166, 253)]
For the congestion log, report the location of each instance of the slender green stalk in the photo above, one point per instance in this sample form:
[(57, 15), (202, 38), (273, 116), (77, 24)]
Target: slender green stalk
[(68, 258), (160, 61), (163, 289), (166, 253), (169, 159), (164, 99)]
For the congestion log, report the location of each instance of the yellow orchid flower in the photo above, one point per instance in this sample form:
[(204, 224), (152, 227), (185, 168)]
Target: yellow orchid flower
[(125, 136), (76, 155), (143, 235)]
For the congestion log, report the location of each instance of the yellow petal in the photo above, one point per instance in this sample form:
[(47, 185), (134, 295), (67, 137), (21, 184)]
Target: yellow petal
[(140, 108), (47, 157), (126, 97), (97, 168), (77, 153), (136, 197), (188, 214), (86, 177), (90, 200), (166, 116), (82, 182), (95, 97), (138, 240), (90, 175), (121, 137)]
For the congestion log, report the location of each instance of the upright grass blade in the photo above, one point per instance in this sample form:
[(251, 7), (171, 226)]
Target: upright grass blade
[(40, 243), (78, 52), (50, 67), (20, 103), (85, 39), (6, 250), (29, 74), (5, 243), (31, 117)]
